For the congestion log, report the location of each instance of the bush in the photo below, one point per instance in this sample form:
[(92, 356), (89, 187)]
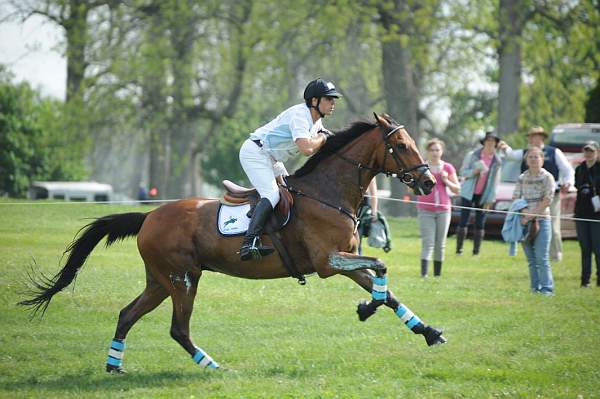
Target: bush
[(34, 141)]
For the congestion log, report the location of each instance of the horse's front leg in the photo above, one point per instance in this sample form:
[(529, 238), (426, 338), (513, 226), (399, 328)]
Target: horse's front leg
[(371, 274)]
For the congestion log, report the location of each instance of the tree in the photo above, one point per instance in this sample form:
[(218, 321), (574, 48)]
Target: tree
[(592, 105), (33, 145), (405, 45)]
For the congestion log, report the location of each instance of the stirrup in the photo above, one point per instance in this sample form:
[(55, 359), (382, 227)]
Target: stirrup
[(254, 250)]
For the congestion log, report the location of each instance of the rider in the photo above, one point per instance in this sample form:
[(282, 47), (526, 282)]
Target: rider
[(297, 129)]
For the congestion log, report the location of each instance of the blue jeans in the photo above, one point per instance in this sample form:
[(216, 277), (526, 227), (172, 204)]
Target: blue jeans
[(538, 257), (465, 213)]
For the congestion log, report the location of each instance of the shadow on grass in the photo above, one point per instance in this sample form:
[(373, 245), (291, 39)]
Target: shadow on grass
[(91, 381)]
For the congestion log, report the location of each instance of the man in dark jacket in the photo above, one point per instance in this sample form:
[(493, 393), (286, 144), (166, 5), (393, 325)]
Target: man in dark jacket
[(587, 181)]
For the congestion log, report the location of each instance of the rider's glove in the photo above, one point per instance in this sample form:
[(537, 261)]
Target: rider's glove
[(326, 132)]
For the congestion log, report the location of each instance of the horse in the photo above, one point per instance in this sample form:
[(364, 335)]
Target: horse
[(178, 241)]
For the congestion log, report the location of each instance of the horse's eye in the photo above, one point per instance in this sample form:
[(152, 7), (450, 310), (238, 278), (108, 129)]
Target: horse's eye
[(401, 146)]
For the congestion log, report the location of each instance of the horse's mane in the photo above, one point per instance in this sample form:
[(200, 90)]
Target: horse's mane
[(334, 143)]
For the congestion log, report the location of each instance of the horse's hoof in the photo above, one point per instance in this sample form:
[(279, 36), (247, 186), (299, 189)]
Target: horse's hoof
[(365, 311), (115, 369), (433, 336)]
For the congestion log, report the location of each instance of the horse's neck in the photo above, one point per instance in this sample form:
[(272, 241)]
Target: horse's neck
[(337, 181)]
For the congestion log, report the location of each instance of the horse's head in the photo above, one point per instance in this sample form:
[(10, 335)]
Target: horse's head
[(401, 158)]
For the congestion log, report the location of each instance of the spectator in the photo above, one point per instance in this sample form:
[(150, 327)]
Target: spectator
[(373, 201), (368, 215), (142, 195), (481, 173), (587, 182), (557, 164), (434, 209), (367, 212), (536, 186)]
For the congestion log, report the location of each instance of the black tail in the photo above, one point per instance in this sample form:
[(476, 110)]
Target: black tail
[(115, 227)]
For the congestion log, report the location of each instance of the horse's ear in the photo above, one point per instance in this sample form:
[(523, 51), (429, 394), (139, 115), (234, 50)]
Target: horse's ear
[(377, 118), (381, 121)]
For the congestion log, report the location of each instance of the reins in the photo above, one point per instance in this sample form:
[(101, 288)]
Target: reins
[(341, 209), (404, 175)]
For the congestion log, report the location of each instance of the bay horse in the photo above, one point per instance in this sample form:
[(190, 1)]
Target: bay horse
[(179, 241)]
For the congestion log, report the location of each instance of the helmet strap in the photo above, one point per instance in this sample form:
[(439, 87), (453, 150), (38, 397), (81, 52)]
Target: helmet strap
[(317, 107)]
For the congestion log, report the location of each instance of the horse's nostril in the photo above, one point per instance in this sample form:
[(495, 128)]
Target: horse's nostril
[(428, 184)]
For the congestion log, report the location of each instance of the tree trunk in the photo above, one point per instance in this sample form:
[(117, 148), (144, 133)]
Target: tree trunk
[(154, 109), (77, 35), (511, 23), (401, 94), (181, 39)]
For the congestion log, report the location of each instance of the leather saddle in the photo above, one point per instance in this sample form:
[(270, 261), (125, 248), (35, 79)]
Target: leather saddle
[(238, 195)]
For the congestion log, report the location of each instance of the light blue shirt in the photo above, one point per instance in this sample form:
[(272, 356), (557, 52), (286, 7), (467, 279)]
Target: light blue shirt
[(278, 136), (512, 230)]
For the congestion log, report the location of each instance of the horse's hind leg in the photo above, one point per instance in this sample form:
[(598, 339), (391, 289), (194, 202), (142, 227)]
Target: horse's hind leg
[(183, 295), (356, 267), (148, 300)]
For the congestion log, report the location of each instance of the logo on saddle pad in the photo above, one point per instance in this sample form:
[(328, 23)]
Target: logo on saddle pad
[(230, 221), (233, 220)]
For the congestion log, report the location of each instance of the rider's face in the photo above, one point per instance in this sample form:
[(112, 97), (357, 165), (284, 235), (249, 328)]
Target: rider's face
[(327, 105)]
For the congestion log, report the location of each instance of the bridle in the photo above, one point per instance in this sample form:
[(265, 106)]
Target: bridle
[(404, 174)]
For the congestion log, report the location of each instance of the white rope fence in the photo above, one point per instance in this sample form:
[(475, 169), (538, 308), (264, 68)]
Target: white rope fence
[(483, 209), (123, 202), (406, 201)]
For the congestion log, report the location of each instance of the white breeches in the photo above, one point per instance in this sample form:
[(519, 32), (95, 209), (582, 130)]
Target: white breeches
[(262, 170)]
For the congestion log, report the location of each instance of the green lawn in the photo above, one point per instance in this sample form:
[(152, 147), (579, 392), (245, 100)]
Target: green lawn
[(281, 340)]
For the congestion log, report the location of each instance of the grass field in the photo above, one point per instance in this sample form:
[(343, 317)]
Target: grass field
[(277, 339)]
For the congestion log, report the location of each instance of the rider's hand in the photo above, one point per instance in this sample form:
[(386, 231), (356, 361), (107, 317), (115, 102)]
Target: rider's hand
[(326, 132)]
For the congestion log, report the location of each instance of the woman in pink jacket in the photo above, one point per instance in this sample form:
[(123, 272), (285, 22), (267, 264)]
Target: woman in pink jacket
[(434, 208)]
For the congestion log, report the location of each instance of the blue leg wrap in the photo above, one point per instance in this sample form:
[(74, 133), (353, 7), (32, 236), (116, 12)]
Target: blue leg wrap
[(379, 290), (204, 360), (116, 352), (411, 320)]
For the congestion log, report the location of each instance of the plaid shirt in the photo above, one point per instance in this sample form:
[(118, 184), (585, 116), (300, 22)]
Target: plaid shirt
[(534, 189)]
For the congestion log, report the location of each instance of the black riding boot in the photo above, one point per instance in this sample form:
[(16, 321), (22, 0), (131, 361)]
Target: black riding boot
[(252, 248), (424, 267), (437, 268), (477, 238), (461, 233)]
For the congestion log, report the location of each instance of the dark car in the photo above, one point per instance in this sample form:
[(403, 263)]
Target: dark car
[(570, 137)]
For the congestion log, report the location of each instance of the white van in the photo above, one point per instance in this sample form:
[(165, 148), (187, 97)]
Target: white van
[(70, 191)]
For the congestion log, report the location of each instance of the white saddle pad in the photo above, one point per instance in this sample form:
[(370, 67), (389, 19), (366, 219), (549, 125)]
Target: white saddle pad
[(232, 220)]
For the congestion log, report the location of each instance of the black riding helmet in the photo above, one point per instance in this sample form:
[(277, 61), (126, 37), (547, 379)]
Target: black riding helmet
[(319, 88)]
